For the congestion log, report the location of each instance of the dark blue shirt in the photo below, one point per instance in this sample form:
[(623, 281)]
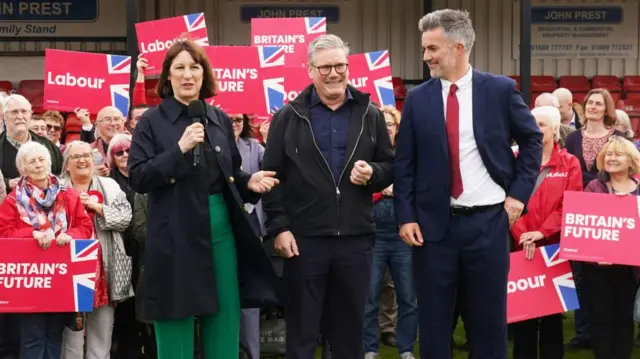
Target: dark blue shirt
[(331, 130)]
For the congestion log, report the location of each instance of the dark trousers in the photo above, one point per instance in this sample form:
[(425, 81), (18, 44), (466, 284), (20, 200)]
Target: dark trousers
[(543, 335), (9, 335), (582, 325), (611, 294), (41, 335), (474, 250), (333, 268), (127, 331)]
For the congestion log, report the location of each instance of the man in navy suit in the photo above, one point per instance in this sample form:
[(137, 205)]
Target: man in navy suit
[(458, 187)]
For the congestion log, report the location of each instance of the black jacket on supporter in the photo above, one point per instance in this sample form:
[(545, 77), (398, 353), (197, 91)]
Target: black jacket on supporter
[(308, 201), (9, 153)]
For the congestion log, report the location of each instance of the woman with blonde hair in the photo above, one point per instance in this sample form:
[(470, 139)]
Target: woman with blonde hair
[(111, 213), (611, 289)]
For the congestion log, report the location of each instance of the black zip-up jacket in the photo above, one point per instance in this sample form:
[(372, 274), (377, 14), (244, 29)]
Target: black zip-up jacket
[(308, 201)]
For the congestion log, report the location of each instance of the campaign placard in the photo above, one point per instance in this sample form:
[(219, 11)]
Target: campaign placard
[(58, 279), (83, 79), (369, 72), (600, 227), (294, 34), (241, 72), (541, 286), (156, 37)]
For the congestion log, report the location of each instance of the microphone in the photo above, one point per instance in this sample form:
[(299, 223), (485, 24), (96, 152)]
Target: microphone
[(196, 113)]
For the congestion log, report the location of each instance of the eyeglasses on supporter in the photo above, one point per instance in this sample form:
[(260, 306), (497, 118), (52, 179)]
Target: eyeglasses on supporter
[(87, 156), (111, 120), (326, 69), (54, 128), (237, 120)]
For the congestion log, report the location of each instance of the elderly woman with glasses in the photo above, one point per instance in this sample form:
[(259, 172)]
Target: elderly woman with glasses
[(111, 213), (42, 208), (611, 289)]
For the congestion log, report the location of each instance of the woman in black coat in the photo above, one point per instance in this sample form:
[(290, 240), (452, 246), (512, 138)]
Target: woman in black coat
[(202, 257)]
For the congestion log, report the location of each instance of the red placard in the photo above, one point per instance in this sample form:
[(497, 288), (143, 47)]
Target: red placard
[(88, 80), (368, 72), (600, 227), (541, 286), (241, 72), (59, 279), (294, 34), (156, 37)]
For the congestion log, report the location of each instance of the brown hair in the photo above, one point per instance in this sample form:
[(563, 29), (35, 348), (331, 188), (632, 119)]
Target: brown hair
[(609, 106), (209, 82), (53, 115)]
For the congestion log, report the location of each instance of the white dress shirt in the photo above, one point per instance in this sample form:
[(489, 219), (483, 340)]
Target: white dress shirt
[(479, 189)]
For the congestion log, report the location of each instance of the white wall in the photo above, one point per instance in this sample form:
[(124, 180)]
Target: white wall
[(493, 51)]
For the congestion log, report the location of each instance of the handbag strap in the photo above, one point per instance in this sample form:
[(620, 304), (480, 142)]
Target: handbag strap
[(541, 177)]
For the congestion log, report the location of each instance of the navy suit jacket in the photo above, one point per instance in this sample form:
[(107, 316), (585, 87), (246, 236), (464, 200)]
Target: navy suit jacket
[(422, 178)]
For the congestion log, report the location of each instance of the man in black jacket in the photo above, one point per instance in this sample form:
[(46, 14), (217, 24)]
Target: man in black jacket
[(331, 152)]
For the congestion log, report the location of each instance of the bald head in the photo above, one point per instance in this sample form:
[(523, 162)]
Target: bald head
[(110, 122), (547, 99), (565, 99)]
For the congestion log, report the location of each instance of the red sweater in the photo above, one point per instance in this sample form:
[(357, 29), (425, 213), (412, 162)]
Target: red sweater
[(79, 224)]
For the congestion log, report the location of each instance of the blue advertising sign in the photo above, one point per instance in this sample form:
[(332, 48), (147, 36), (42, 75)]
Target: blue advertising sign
[(49, 10), (577, 14), (248, 12)]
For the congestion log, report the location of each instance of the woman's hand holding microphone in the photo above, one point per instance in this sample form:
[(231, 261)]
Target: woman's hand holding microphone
[(260, 182)]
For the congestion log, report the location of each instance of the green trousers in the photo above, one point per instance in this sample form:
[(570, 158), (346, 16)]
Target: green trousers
[(220, 332)]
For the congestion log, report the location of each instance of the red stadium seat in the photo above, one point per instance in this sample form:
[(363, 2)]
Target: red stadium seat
[(611, 83), (578, 97), (632, 107), (543, 84), (633, 96), (33, 90), (399, 90), (575, 83), (631, 84), (6, 86), (400, 105)]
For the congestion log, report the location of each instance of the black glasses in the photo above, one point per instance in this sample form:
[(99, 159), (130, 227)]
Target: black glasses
[(326, 69), (120, 153), (54, 128), (78, 156)]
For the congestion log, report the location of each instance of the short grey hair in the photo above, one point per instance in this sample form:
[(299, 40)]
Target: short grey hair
[(65, 156), (547, 99), (551, 114), (15, 98), (327, 42), (622, 118), (456, 24), (29, 149)]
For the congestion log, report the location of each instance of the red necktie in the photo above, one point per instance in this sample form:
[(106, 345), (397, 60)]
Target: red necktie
[(453, 137)]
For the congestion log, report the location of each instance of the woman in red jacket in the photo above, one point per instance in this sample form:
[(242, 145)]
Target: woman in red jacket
[(559, 172), (41, 208)]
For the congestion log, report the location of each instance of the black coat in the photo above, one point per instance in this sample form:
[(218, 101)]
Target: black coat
[(179, 273)]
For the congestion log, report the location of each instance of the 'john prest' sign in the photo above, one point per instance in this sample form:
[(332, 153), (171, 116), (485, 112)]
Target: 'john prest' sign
[(580, 30)]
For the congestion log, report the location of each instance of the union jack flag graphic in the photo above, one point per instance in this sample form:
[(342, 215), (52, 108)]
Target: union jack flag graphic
[(384, 89), (120, 97), (271, 56), (118, 64), (564, 284), (377, 60), (274, 93), (194, 21), (315, 25), (84, 284)]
